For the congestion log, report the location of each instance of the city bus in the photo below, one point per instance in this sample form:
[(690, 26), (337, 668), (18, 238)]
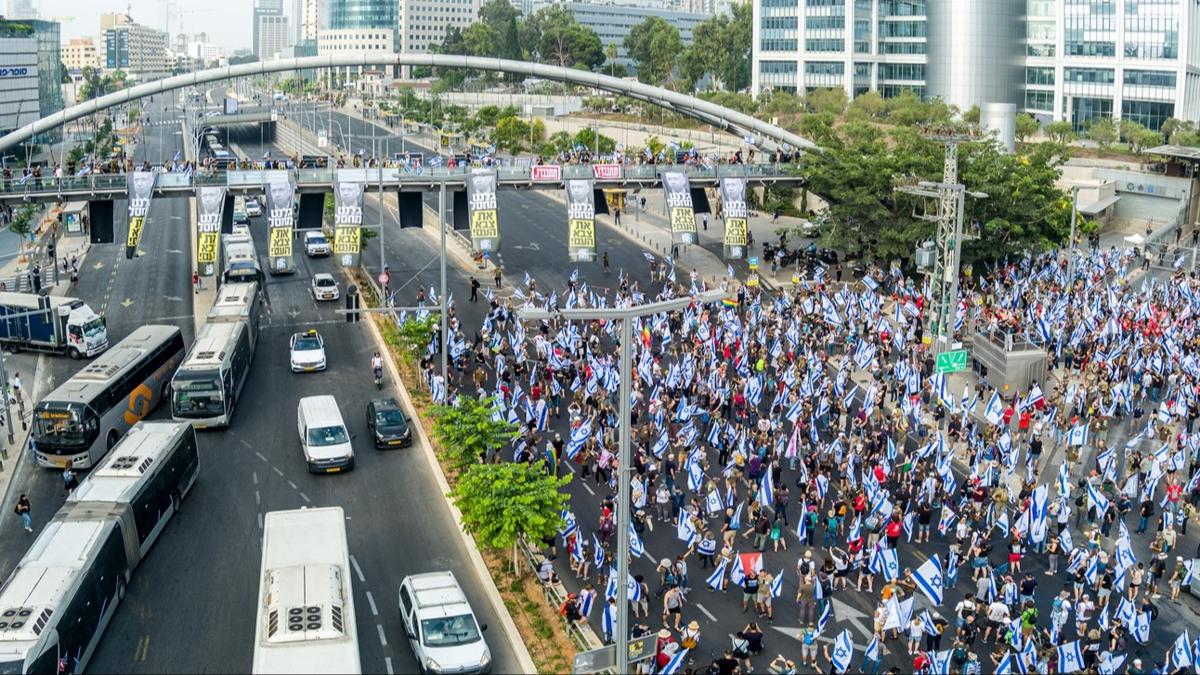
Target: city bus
[(206, 387), (55, 605), (80, 421), (241, 259), (305, 621)]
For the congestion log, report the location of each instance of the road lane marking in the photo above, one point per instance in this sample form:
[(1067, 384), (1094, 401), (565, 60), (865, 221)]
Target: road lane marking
[(382, 637), (143, 646), (305, 498), (260, 521), (294, 486), (260, 456), (254, 475), (371, 602), (357, 570), (257, 498), (706, 612), (276, 470), (387, 663)]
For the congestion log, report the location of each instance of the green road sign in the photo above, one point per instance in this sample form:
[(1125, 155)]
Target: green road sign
[(952, 362)]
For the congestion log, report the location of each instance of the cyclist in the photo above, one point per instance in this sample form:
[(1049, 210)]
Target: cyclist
[(377, 366)]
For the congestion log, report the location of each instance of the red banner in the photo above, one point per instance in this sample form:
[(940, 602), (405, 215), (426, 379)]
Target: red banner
[(607, 171), (546, 172)]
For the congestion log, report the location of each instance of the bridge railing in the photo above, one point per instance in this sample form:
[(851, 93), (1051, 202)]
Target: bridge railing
[(392, 175)]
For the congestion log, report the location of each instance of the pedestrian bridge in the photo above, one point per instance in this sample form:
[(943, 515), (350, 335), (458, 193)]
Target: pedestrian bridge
[(105, 187)]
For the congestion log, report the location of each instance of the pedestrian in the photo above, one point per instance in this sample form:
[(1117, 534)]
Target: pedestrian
[(74, 278), (22, 510), (617, 215), (70, 482), (196, 282), (474, 289), (497, 273)]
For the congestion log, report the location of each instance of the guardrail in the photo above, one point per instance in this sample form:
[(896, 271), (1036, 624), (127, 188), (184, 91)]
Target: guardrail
[(556, 594)]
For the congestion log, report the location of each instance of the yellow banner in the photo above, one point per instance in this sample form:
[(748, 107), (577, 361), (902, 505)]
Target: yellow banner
[(206, 247), (581, 233), (752, 280), (484, 225), (135, 232), (683, 219), (280, 242), (735, 231), (347, 239)]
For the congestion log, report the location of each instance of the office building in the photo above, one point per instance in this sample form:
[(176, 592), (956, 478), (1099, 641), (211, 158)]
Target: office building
[(1076, 60), (19, 9), (423, 23), (613, 23), (359, 27), (314, 17), (31, 81), (80, 53), (138, 50), (205, 54), (271, 36)]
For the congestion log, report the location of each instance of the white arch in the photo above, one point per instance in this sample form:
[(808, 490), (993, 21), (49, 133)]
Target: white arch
[(716, 115)]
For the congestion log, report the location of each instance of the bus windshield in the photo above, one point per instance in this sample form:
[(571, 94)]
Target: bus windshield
[(58, 426), (199, 395), (320, 436)]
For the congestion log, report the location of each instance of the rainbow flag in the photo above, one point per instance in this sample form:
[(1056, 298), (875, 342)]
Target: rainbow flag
[(729, 302)]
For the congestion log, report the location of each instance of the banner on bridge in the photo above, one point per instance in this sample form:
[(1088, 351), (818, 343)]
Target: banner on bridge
[(481, 206), (678, 191), (735, 215), (140, 187), (347, 222), (281, 207), (581, 220), (208, 228)]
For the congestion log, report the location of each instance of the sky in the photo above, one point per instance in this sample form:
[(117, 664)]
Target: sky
[(227, 22)]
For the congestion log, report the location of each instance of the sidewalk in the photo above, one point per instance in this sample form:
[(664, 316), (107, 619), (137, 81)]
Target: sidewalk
[(207, 293)]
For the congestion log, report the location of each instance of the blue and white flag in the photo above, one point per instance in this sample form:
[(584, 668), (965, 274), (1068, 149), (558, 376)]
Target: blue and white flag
[(1181, 653), (1078, 435), (1070, 658), (929, 579), (994, 412), (1141, 627), (676, 661), (826, 614), (843, 651), (872, 653), (610, 619), (777, 585), (718, 575)]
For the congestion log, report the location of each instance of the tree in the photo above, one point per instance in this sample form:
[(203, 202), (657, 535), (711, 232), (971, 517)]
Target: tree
[(553, 35), (1026, 126), (242, 58), (610, 52), (467, 434), (413, 337), (832, 100), (781, 103), (511, 134), (587, 138), (1143, 138), (720, 48), (22, 224), (654, 46), (1104, 132), (1060, 132), (972, 116), (501, 503), (867, 106)]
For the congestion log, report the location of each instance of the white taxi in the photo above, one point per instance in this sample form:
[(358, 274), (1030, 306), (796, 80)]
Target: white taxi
[(307, 352), (324, 287)]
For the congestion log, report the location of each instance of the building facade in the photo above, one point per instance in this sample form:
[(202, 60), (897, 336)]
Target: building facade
[(271, 36), (80, 53), (613, 23), (1076, 60), (30, 83), (268, 10), (355, 41), (19, 9), (139, 50), (423, 23)]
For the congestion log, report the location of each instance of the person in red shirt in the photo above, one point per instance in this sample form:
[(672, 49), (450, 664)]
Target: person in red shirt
[(1008, 415), (1023, 424), (1174, 492)]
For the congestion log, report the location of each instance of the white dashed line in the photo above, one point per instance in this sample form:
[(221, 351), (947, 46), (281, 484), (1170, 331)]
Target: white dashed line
[(260, 521), (706, 612), (371, 602), (305, 498), (254, 475), (294, 486), (276, 470), (247, 444), (589, 489), (260, 456), (382, 637), (387, 662), (357, 570), (257, 498)]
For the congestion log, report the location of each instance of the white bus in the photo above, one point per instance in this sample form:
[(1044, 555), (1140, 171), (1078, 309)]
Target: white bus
[(238, 302), (305, 618), (81, 420), (241, 259), (55, 605), (206, 387)]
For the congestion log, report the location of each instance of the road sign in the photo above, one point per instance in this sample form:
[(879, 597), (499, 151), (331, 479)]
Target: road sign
[(952, 362), (753, 262), (605, 658)]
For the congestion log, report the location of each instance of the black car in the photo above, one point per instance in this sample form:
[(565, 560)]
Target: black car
[(388, 425)]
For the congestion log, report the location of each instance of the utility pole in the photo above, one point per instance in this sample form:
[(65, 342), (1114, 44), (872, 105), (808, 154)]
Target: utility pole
[(626, 315), (443, 347), (1071, 241), (947, 243)]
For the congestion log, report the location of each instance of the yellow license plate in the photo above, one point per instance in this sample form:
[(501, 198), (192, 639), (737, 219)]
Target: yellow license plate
[(310, 368), (333, 469), (393, 442)]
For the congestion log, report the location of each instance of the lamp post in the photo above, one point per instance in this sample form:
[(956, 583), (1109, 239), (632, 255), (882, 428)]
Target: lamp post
[(1071, 241), (625, 315)]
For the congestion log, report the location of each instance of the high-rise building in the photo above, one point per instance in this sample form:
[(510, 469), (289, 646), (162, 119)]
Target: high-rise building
[(20, 9), (264, 17), (314, 17), (424, 23), (359, 27), (1076, 60), (32, 83), (613, 22), (139, 50), (271, 36), (80, 53), (112, 20)]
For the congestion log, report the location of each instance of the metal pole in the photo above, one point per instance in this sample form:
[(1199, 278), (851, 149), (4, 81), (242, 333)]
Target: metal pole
[(1071, 241), (623, 498), (382, 259), (442, 292), (7, 409), (952, 306)]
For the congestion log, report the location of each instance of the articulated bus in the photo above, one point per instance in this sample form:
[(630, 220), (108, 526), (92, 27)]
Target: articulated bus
[(55, 605), (78, 423), (206, 387), (305, 601)]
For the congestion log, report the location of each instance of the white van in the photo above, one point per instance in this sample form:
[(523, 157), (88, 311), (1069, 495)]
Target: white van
[(440, 625), (323, 435)]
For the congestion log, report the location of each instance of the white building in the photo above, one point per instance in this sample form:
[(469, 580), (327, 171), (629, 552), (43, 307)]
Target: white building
[(314, 17), (271, 36), (139, 50), (80, 53), (357, 41), (204, 52), (1056, 59), (19, 9), (424, 22)]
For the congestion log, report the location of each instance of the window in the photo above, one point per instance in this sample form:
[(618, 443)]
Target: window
[(778, 45), (824, 3), (776, 67), (901, 29), (779, 22), (1087, 110), (1150, 78), (825, 68), (1150, 114), (1089, 75), (1039, 100), (1039, 50), (894, 90), (901, 47), (826, 45), (902, 8), (1039, 75), (902, 71), (1091, 48), (825, 22)]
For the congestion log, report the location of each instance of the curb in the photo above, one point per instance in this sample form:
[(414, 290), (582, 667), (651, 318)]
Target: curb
[(512, 635)]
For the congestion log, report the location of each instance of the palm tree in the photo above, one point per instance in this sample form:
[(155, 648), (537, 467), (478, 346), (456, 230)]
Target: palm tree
[(611, 53)]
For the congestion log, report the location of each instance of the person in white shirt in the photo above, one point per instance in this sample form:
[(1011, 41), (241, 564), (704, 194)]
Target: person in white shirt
[(998, 618)]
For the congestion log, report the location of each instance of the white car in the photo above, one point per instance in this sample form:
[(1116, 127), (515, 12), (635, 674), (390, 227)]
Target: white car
[(315, 244), (324, 287), (307, 352), (253, 208)]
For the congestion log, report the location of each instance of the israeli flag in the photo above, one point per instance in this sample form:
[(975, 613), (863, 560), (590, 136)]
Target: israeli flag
[(672, 666), (928, 578), (1078, 435), (635, 543), (714, 579), (685, 530), (1070, 658), (777, 585), (1141, 627), (597, 552), (843, 651), (826, 614), (610, 619), (994, 412), (1181, 652), (872, 653)]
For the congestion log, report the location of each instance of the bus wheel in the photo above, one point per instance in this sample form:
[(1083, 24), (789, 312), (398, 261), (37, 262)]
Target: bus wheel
[(74, 354), (112, 439), (175, 502)]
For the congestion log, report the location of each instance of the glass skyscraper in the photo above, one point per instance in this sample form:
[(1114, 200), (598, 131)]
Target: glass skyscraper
[(345, 14)]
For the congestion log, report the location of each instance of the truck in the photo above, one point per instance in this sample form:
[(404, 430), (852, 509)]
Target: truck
[(51, 323), (241, 259)]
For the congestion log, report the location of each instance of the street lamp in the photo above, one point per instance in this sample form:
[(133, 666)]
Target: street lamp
[(625, 315)]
